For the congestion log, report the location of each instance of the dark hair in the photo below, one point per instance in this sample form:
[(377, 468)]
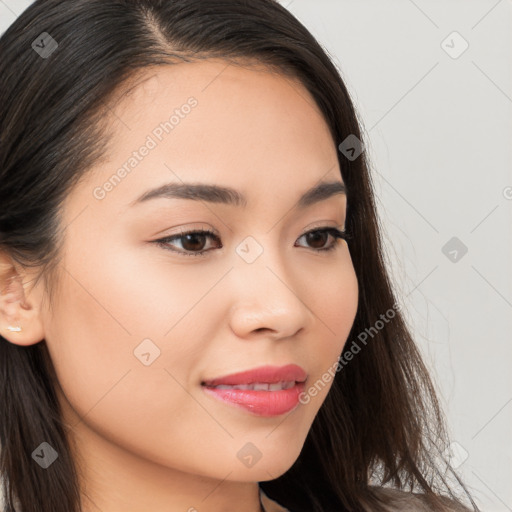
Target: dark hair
[(381, 423)]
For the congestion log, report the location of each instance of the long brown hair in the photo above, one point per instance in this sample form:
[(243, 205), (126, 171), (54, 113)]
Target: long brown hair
[(380, 425)]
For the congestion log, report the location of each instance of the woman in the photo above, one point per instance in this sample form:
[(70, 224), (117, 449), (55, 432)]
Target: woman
[(267, 367)]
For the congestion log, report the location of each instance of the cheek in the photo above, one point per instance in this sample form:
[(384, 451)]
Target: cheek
[(334, 300), (332, 295), (118, 324), (92, 340)]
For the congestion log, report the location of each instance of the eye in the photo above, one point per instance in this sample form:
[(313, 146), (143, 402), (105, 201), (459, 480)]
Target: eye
[(193, 242), (318, 236)]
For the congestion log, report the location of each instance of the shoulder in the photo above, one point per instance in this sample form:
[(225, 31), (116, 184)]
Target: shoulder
[(394, 500), (402, 501)]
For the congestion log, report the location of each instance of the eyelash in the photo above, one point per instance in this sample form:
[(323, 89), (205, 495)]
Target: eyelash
[(334, 232)]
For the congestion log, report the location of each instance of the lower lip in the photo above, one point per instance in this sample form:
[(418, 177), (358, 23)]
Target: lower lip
[(262, 403)]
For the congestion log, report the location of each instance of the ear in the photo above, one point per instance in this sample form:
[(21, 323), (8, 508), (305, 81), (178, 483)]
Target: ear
[(20, 315)]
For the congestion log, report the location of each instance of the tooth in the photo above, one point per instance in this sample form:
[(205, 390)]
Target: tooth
[(260, 387)]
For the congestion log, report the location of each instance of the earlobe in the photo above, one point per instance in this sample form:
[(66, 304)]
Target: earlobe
[(20, 316)]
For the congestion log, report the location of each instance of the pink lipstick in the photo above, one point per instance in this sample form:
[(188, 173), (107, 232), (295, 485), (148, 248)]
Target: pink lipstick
[(265, 391)]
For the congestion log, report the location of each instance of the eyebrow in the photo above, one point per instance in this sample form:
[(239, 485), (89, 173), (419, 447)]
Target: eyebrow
[(226, 195)]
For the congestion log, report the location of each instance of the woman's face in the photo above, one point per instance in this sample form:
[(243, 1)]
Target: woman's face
[(137, 326)]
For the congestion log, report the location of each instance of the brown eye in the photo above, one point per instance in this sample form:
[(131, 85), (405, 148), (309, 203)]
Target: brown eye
[(192, 242), (317, 239)]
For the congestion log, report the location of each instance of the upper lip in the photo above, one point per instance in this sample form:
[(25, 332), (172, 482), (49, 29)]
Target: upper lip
[(263, 374)]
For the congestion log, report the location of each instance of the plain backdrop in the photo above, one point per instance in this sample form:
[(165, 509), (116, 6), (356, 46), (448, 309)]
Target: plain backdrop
[(432, 81)]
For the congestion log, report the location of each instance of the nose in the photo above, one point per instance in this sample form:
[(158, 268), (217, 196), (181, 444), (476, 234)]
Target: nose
[(266, 299)]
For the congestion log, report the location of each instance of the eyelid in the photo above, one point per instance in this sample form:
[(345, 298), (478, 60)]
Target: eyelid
[(323, 224), (189, 228)]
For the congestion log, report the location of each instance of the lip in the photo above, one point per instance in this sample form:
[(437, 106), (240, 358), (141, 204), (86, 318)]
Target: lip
[(264, 374), (262, 403)]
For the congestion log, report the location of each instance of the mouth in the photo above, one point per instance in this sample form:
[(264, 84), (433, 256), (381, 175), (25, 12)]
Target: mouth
[(265, 391), (259, 398)]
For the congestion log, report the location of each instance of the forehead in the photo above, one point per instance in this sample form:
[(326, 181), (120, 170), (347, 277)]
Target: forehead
[(234, 102), (249, 128)]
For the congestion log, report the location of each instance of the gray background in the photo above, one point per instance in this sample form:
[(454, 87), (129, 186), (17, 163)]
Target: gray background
[(438, 129)]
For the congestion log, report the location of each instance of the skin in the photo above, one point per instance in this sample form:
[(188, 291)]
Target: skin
[(149, 437)]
